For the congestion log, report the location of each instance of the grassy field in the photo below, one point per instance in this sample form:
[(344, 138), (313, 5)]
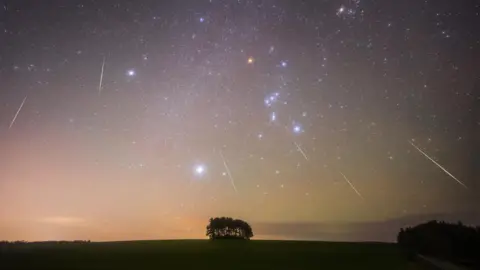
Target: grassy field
[(199, 254)]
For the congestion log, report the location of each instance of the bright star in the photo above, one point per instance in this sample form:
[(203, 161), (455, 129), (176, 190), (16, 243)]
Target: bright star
[(251, 60), (200, 170), (268, 103), (297, 129), (269, 100), (131, 73)]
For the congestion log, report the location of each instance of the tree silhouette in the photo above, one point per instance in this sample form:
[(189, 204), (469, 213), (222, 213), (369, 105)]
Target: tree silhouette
[(228, 228), (453, 242)]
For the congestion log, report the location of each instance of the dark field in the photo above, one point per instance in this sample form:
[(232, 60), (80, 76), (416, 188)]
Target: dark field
[(199, 254)]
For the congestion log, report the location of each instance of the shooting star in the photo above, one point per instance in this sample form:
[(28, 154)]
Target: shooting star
[(101, 77), (300, 150), (352, 186), (228, 172), (18, 111), (438, 165)]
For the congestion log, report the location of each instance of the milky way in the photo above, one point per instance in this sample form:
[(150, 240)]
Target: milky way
[(144, 115)]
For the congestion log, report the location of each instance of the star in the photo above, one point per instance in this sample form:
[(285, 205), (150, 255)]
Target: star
[(251, 60), (200, 170), (297, 129), (131, 72), (271, 99), (268, 102)]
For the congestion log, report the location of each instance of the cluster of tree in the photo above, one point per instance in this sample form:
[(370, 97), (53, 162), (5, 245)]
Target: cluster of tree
[(228, 228), (453, 242)]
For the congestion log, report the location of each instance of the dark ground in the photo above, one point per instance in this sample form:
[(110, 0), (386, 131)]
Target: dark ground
[(200, 254)]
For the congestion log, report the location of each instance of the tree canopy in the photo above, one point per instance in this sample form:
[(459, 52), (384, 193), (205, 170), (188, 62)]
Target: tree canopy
[(453, 242), (228, 228)]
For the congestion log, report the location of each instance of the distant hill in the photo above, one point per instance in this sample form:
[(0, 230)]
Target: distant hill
[(381, 231)]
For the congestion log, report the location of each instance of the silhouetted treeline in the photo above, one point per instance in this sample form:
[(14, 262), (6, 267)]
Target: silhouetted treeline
[(43, 242), (228, 228), (453, 242)]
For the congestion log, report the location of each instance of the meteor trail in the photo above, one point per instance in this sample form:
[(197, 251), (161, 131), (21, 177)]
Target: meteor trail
[(18, 111), (101, 77), (352, 186), (438, 165), (301, 150), (228, 172)]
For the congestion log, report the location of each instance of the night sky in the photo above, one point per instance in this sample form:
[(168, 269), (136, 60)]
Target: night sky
[(142, 119)]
